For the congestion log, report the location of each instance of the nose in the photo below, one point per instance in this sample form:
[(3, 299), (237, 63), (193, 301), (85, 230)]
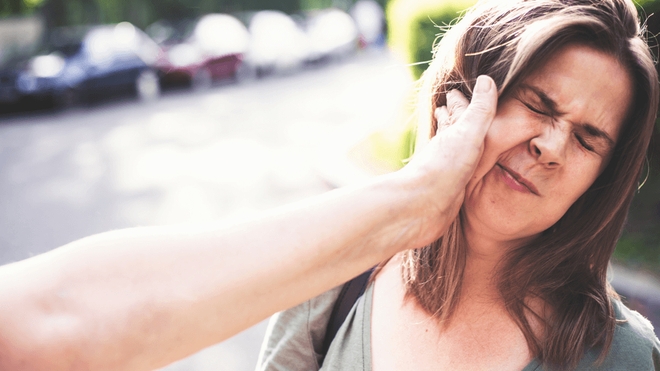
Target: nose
[(550, 144)]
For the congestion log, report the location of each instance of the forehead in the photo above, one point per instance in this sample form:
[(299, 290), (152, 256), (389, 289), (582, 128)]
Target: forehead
[(588, 87)]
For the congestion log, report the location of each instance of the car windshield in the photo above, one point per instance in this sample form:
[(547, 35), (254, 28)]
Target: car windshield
[(66, 41)]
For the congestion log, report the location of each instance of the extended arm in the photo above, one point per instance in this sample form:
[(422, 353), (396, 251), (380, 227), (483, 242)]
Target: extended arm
[(141, 298)]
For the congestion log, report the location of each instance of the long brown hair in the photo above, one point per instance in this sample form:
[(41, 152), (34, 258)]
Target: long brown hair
[(566, 265)]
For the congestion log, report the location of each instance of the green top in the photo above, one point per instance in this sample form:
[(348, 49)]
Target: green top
[(295, 336)]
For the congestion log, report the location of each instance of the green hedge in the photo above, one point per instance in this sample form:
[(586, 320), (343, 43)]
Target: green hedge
[(414, 25)]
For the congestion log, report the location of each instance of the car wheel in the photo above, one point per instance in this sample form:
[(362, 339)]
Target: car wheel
[(202, 79), (147, 86)]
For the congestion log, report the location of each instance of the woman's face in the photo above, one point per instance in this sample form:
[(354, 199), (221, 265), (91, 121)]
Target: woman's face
[(550, 140)]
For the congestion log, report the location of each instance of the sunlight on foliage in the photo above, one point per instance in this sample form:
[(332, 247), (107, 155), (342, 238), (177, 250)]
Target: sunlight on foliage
[(31, 4)]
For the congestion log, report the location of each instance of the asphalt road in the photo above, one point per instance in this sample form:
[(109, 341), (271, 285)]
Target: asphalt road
[(190, 156)]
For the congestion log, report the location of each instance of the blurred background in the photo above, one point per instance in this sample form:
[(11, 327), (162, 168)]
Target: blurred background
[(117, 113)]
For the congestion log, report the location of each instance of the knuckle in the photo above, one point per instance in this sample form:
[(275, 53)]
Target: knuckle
[(456, 102), (455, 106)]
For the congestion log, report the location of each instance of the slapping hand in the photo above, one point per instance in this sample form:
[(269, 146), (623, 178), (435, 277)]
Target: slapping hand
[(442, 169)]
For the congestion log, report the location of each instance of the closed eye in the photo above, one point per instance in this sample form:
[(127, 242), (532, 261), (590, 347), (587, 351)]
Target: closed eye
[(533, 108), (584, 143), (537, 101), (590, 137)]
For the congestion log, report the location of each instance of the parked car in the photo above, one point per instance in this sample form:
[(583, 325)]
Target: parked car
[(278, 44), (332, 33), (8, 94), (369, 18), (85, 63), (199, 52)]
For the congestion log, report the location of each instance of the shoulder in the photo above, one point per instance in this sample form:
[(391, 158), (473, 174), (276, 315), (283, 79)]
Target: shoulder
[(632, 326), (294, 337), (635, 345)]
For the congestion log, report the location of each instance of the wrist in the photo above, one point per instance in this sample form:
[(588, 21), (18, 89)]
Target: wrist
[(432, 202), (414, 216)]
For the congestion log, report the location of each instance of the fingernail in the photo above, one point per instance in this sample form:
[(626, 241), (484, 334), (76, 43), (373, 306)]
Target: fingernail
[(483, 84)]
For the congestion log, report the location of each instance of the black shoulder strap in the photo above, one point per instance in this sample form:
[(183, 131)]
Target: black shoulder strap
[(350, 293)]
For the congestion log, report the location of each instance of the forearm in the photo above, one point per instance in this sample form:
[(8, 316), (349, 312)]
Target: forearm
[(133, 299), (138, 299)]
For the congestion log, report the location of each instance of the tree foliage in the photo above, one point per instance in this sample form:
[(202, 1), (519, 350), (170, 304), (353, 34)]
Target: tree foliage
[(139, 12)]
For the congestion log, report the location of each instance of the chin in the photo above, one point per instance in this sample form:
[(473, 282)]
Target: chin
[(500, 225)]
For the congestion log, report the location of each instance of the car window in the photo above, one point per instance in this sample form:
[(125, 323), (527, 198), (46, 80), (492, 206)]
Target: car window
[(67, 50)]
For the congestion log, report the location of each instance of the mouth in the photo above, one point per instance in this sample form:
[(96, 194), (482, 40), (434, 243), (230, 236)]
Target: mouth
[(517, 181)]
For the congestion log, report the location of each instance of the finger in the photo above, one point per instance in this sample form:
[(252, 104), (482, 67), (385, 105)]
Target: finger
[(442, 116), (456, 103), (481, 111)]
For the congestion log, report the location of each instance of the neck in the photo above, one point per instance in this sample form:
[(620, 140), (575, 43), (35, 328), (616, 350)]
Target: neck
[(483, 259)]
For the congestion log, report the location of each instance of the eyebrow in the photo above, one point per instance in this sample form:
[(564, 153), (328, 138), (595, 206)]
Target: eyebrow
[(551, 106)]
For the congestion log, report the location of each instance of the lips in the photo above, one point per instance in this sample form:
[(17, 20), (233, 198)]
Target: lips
[(517, 181)]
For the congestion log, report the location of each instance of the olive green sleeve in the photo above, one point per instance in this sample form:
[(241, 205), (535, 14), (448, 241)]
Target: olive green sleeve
[(294, 337), (635, 346)]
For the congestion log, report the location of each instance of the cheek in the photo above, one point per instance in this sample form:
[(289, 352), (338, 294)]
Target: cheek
[(581, 179), (570, 187), (504, 134)]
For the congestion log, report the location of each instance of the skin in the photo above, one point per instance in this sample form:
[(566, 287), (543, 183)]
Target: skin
[(550, 146), (139, 299)]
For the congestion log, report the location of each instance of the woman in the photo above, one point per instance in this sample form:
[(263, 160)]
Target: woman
[(518, 280)]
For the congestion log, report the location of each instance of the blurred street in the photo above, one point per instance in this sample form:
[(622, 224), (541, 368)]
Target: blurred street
[(191, 156)]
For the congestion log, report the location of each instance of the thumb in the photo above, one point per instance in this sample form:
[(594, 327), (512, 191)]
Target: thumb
[(481, 110)]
